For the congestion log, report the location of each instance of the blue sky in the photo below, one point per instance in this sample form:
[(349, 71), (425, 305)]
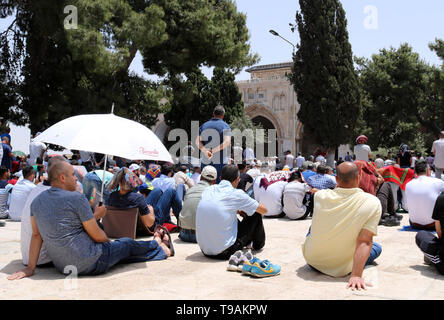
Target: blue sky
[(398, 21), (412, 21)]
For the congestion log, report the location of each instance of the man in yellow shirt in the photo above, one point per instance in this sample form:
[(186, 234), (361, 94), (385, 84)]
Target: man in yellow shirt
[(345, 220)]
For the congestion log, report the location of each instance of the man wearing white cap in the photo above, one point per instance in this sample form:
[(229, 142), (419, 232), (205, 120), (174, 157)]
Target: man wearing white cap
[(187, 217)]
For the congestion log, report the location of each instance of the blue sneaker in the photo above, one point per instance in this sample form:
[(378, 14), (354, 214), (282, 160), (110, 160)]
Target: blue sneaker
[(265, 269), (246, 268)]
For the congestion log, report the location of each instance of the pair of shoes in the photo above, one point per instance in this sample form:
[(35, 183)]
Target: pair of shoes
[(401, 210), (389, 221), (260, 269), (238, 259), (2, 223), (398, 216)]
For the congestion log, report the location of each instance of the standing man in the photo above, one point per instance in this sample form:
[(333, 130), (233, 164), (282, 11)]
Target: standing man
[(362, 151), (7, 154), (213, 140), (36, 150), (249, 155), (438, 152), (289, 159), (299, 161)]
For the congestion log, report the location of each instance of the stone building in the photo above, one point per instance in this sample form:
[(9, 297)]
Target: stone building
[(269, 99)]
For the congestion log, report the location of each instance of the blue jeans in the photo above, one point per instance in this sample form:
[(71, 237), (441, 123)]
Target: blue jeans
[(181, 190), (162, 202), (126, 250), (376, 252), (188, 235), (91, 181)]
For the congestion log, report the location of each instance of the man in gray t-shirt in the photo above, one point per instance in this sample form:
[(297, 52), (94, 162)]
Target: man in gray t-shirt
[(60, 224), (62, 218)]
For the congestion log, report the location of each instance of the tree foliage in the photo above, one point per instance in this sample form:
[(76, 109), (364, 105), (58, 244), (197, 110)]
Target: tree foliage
[(323, 74), (194, 98), (61, 72), (402, 98)]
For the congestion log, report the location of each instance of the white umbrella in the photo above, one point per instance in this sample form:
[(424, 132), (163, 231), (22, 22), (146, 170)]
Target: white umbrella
[(107, 134)]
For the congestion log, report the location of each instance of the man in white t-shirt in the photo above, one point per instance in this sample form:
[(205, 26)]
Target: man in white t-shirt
[(300, 160), (249, 155), (20, 193), (270, 193), (438, 151), (293, 197), (321, 159), (421, 194), (362, 151), (36, 150), (289, 159)]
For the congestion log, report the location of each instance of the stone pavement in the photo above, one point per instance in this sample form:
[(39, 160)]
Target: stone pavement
[(400, 273)]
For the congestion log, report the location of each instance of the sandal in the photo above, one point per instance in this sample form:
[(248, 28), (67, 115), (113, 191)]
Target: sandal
[(169, 244)]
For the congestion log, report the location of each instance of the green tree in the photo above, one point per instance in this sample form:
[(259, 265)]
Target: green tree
[(195, 98), (401, 99), (323, 74), (85, 69)]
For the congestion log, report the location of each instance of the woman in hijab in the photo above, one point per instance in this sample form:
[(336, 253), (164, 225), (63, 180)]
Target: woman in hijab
[(362, 151)]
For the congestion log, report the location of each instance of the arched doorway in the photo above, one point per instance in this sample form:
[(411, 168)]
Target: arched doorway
[(264, 116), (267, 125)]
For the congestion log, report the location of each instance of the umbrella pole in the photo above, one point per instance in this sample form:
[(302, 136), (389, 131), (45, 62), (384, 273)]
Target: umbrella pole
[(103, 180)]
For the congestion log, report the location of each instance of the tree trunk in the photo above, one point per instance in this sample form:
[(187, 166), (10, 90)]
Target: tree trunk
[(331, 159)]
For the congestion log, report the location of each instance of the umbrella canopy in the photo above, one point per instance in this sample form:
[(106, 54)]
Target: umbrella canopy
[(107, 134), (18, 153)]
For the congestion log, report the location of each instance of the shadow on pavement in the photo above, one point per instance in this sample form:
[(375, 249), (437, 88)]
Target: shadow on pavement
[(428, 271), (199, 257), (307, 273)]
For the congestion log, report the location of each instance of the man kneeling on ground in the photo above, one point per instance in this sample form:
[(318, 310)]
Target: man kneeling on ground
[(218, 231), (344, 222), (64, 221)]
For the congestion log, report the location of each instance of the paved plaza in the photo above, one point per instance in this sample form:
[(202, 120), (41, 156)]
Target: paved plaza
[(400, 273)]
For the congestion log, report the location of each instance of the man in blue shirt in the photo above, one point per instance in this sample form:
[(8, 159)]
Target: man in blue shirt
[(213, 140), (307, 169), (218, 231), (166, 180), (320, 180), (7, 154)]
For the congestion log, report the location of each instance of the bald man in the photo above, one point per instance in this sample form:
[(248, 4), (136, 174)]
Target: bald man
[(62, 218), (345, 220)]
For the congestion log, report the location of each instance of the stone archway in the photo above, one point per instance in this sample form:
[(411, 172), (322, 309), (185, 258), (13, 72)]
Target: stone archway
[(263, 115)]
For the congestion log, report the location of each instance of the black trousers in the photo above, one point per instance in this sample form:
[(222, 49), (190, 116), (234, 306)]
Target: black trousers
[(431, 247), (387, 199), (251, 229)]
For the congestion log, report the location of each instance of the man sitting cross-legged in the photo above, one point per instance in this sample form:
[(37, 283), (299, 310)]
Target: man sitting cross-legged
[(63, 220), (344, 222), (218, 231)]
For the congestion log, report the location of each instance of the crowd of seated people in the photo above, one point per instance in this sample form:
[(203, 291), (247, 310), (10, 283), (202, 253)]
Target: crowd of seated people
[(220, 218)]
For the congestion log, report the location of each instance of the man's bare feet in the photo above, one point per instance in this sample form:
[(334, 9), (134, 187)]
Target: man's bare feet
[(165, 249)]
